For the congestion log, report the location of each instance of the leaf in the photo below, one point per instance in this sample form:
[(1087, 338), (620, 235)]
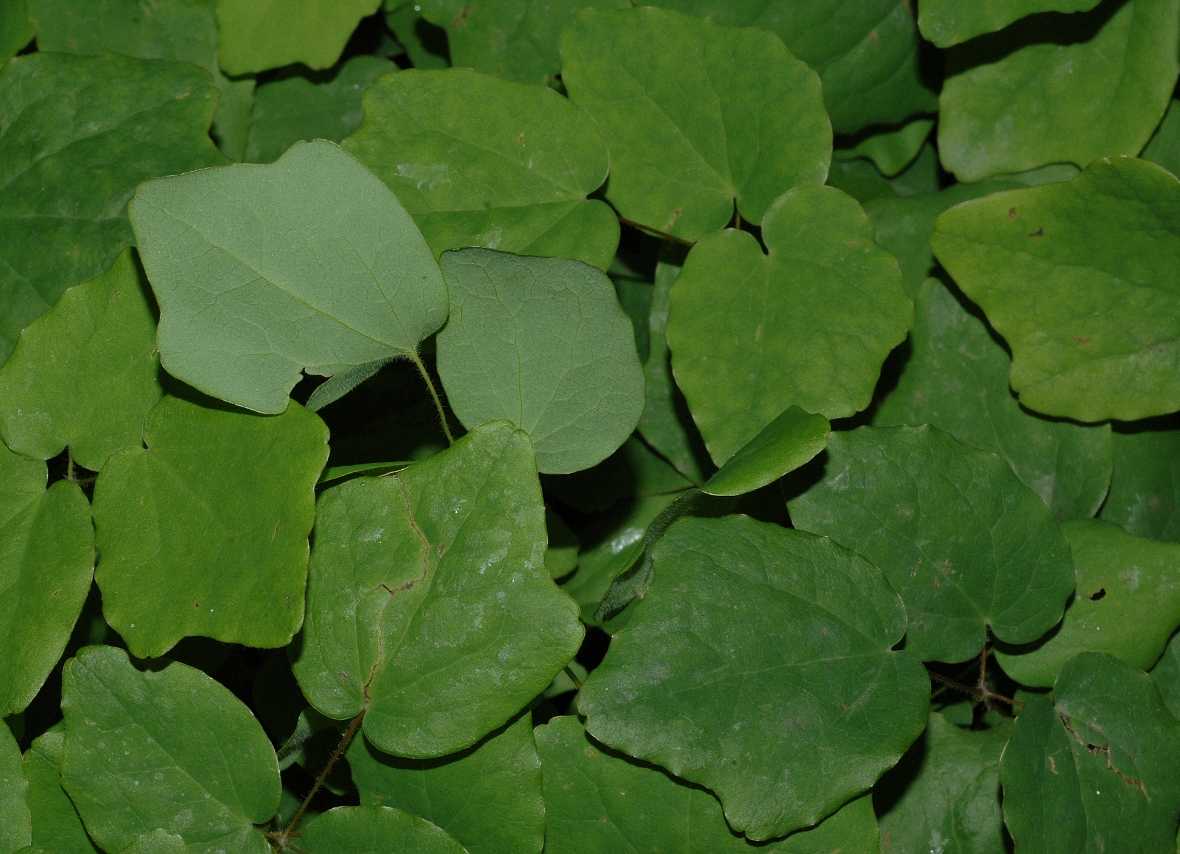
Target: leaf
[(157, 842), (16, 30), (956, 379), (680, 156), (382, 829), (754, 666), (893, 149), (484, 162), (488, 797), (947, 22), (16, 823), (257, 36), (56, 826), (1059, 88), (1127, 604), (966, 544), (561, 554), (1079, 278), (1144, 492), (204, 531), (945, 793), (785, 444), (147, 750), (296, 108), (807, 325), (597, 800), (85, 374), (1164, 146), (424, 43), (90, 128), (46, 562), (429, 607), (1093, 769), (338, 385), (1166, 676), (541, 343), (263, 270)]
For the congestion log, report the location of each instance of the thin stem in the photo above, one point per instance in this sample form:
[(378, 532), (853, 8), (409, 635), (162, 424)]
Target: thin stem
[(69, 465), (978, 694), (284, 836), (442, 415), (737, 218), (654, 232), (573, 677)]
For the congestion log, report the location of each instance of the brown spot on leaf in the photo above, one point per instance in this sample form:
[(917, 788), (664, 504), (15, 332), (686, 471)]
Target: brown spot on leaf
[(1037, 232), (460, 20), (1082, 340), (1012, 213)]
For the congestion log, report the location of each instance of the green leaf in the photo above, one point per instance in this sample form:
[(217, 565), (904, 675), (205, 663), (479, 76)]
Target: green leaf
[(1164, 146), (85, 374), (429, 607), (338, 385), (90, 129), (296, 108), (682, 150), (157, 842), (754, 665), (945, 793), (204, 531), (374, 830), (561, 553), (16, 822), (263, 270), (956, 379), (1094, 768), (786, 443), (1166, 675), (488, 797), (1127, 604), (541, 343), (46, 562), (424, 43), (893, 149), (806, 325), (257, 36), (56, 826), (1144, 492), (169, 749), (484, 162), (968, 546), (948, 22), (597, 801), (1059, 88), (16, 30), (1079, 278)]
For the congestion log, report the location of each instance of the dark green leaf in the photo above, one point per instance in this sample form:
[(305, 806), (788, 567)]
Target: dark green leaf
[(1166, 675), (1144, 493), (16, 30), (786, 443), (424, 43), (893, 149), (374, 830), (16, 822), (948, 22), (57, 829), (1164, 146)]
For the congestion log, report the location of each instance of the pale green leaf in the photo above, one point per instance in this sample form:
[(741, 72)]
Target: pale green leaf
[(488, 797), (1093, 769), (1127, 604), (807, 325), (756, 665), (16, 30), (683, 150), (1166, 675), (260, 271), (204, 531), (296, 108), (46, 562), (948, 22), (86, 374), (891, 150), (429, 606), (598, 801), (79, 133), (1144, 493), (786, 443), (1164, 146), (956, 379), (1059, 88), (16, 822), (541, 343), (1080, 279), (56, 826), (165, 750), (480, 161), (966, 544), (374, 830), (256, 35)]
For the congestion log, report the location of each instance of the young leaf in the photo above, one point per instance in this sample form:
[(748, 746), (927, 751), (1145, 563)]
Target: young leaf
[(1059, 88), (541, 343), (428, 604), (204, 531), (16, 822), (263, 270), (165, 750), (46, 562), (786, 443), (483, 162), (966, 544), (697, 117), (1127, 604), (85, 374), (597, 801), (754, 666), (956, 379), (1094, 767), (1144, 493), (487, 797), (948, 22), (382, 829), (257, 36), (91, 128), (57, 829), (891, 150), (1079, 278), (807, 325)]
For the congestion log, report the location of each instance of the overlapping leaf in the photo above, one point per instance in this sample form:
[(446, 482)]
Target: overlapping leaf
[(1166, 676), (1164, 146), (16, 30), (786, 443), (948, 22), (257, 36), (383, 829), (56, 826), (1144, 493), (893, 149), (16, 823)]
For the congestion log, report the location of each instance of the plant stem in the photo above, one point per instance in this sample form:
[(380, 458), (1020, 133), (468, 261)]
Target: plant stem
[(442, 415), (980, 695), (573, 677), (284, 836), (69, 465)]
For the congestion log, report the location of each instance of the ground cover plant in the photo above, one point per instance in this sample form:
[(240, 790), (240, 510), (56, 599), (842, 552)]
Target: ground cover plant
[(589, 426)]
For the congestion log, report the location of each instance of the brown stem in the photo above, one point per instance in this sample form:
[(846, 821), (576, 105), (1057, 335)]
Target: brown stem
[(442, 415), (980, 695), (283, 837)]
